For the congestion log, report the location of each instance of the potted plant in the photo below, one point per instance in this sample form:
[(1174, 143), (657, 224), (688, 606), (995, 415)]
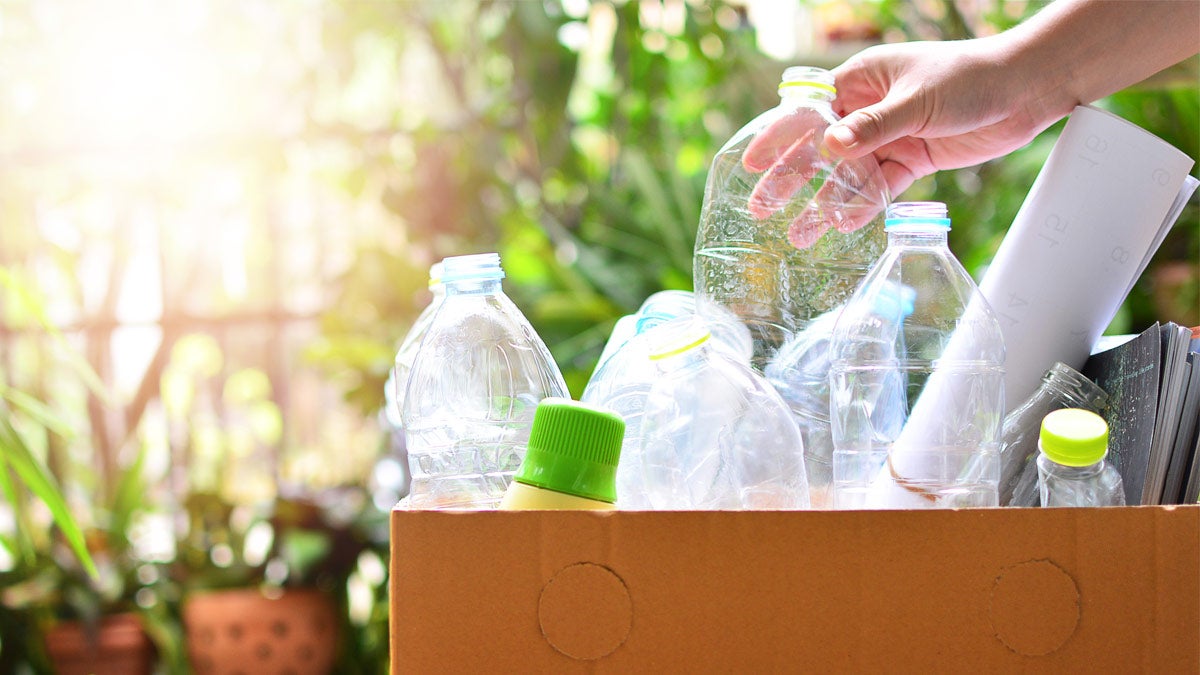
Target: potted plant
[(67, 581), (274, 601)]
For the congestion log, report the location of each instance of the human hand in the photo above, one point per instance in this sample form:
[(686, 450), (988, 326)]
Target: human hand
[(920, 107), (791, 152)]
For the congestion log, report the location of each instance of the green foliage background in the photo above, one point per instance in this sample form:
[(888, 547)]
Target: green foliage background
[(586, 171)]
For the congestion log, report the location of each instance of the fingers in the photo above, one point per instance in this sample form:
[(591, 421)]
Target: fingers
[(771, 144), (851, 197), (786, 176)]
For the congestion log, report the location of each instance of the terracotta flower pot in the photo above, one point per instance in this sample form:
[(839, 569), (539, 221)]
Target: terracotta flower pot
[(117, 646), (244, 631)]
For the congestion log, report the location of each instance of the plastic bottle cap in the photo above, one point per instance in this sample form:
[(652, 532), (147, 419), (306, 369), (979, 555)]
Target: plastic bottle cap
[(573, 448), (923, 215), (808, 76), (479, 266), (1074, 437)]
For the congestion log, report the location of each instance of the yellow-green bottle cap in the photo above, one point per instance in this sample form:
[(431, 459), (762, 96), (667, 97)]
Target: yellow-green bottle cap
[(1074, 437)]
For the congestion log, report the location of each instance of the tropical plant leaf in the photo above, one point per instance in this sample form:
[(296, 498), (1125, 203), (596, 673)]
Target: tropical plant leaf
[(42, 484)]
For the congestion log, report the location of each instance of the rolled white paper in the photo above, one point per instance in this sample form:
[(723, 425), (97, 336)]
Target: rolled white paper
[(1092, 220), (1096, 213)]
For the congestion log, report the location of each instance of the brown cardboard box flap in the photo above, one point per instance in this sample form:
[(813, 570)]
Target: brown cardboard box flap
[(998, 589)]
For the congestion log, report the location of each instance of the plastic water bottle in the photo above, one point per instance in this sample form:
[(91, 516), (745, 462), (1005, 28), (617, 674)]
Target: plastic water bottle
[(407, 353), (572, 459), (1071, 466), (1062, 387), (715, 435), (940, 372), (787, 230), (800, 373), (474, 387)]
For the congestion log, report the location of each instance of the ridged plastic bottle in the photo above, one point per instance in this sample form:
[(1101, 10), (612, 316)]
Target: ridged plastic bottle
[(474, 387), (1062, 387), (715, 435), (787, 230), (1071, 466), (940, 372)]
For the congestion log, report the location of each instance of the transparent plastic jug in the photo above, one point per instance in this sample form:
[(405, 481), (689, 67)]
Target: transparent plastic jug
[(715, 435), (787, 230), (939, 372), (1071, 466), (474, 387)]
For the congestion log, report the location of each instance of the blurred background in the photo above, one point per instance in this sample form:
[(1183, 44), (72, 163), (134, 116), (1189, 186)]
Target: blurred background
[(217, 219)]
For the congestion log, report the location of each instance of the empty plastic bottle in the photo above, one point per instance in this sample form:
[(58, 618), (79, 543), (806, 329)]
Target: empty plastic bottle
[(475, 384), (1062, 387), (800, 373), (946, 358), (664, 306), (1071, 466), (715, 435), (407, 353), (773, 183)]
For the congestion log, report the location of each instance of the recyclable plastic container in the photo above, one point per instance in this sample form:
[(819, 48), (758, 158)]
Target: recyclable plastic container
[(474, 387), (1071, 466), (715, 434), (916, 405), (787, 229)]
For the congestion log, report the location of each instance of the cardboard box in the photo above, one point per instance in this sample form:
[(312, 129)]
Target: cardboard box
[(1053, 590)]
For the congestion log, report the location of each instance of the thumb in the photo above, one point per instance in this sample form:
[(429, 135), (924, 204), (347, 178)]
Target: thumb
[(865, 130)]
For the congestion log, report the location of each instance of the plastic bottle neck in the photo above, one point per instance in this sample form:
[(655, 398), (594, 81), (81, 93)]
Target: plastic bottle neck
[(472, 287), (917, 236), (805, 93), (1076, 472)]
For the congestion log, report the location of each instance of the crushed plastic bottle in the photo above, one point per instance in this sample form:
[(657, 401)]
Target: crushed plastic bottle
[(715, 435), (787, 230), (800, 373), (474, 387), (946, 358)]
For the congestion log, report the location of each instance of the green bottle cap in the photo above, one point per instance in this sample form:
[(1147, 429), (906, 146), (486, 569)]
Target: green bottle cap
[(573, 448), (1074, 437)]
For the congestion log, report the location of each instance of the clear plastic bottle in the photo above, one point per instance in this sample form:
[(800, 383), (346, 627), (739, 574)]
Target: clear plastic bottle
[(715, 435), (787, 230), (800, 373), (475, 384), (1062, 387), (407, 353), (572, 460), (940, 372), (1071, 466), (621, 384)]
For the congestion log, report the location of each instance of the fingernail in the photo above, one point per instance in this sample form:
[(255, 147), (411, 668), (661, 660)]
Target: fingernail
[(843, 134)]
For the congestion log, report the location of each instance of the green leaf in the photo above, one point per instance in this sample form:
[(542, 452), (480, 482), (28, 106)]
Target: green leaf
[(40, 412), (42, 484)]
